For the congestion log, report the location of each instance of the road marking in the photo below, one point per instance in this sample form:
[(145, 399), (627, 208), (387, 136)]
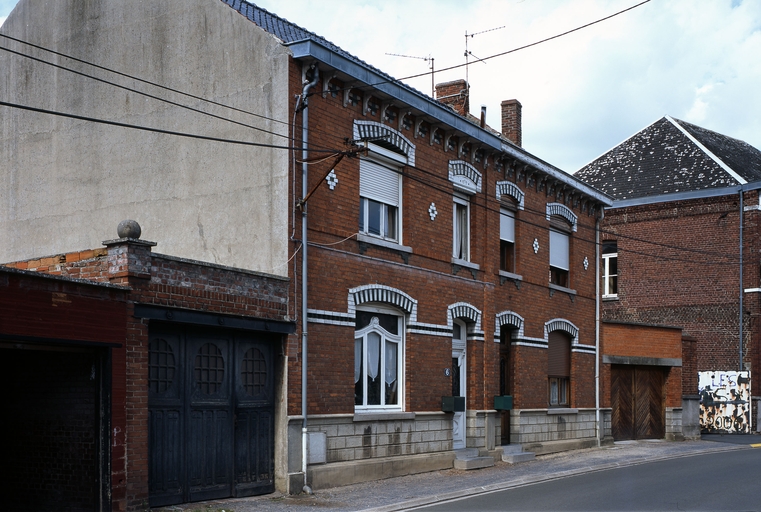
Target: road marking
[(756, 445)]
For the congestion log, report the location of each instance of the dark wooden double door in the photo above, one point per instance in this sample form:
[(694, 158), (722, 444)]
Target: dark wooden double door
[(638, 410), (211, 415)]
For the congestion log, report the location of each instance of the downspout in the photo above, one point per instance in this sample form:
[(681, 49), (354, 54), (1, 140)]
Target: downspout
[(597, 327), (742, 208), (304, 187)]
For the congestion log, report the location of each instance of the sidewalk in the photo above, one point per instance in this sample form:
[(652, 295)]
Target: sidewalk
[(405, 492)]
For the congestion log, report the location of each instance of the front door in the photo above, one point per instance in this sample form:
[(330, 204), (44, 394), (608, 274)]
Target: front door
[(458, 382), (504, 380)]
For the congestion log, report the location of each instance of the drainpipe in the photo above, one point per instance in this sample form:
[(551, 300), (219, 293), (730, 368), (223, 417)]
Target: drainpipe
[(304, 187), (597, 327), (742, 207)]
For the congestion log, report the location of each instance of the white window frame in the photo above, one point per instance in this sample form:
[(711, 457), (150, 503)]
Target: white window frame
[(560, 260), (460, 232), (607, 293), (381, 165), (386, 336), (504, 235)]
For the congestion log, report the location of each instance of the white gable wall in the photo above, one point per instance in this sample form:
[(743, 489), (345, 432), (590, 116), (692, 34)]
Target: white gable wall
[(65, 184)]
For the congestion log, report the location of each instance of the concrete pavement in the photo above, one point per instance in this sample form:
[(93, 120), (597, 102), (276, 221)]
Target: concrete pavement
[(416, 490)]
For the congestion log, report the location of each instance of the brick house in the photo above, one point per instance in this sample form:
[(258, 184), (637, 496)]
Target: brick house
[(449, 275), (682, 230)]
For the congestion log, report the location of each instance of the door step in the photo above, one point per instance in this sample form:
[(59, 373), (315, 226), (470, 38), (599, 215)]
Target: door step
[(469, 458), (513, 454)]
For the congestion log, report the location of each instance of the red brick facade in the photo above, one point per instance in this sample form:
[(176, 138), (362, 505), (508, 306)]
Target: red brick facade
[(338, 262)]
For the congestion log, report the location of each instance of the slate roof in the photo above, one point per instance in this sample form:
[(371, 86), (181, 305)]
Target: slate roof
[(671, 156)]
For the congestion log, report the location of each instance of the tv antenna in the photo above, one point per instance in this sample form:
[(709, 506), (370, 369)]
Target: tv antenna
[(468, 54), (429, 58)]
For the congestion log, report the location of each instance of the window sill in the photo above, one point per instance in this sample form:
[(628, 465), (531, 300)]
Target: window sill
[(458, 264), (607, 298), (509, 276), (556, 288), (562, 410), (383, 243), (383, 416), (401, 250), (465, 263)]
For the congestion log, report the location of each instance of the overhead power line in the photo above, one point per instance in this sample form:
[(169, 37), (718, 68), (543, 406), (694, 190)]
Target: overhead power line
[(132, 77), (156, 130)]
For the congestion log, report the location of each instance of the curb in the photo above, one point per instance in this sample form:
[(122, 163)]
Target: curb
[(475, 491)]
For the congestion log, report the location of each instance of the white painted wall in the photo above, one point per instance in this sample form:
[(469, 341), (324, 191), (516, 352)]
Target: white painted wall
[(65, 184)]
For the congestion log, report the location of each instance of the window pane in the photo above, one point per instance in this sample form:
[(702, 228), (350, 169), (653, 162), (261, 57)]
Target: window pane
[(559, 277), (358, 394), (362, 214), (391, 222), (506, 256), (613, 265), (373, 217), (553, 391), (455, 377), (391, 380), (373, 369), (461, 225)]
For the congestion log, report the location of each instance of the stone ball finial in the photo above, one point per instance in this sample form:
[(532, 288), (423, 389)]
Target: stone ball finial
[(128, 229)]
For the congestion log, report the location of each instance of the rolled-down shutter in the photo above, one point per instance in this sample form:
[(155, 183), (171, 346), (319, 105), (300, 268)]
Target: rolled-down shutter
[(559, 355), (378, 182), (506, 226), (559, 249)]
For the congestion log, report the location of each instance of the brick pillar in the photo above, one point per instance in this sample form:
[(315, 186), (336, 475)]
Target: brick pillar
[(511, 121), (129, 264), (454, 94)]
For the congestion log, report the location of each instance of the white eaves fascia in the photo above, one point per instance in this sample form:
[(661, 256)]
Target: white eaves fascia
[(719, 161)]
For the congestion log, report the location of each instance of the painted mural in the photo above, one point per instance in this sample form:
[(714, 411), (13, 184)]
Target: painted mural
[(724, 402)]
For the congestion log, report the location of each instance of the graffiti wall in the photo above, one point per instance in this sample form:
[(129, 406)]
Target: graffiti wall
[(724, 402)]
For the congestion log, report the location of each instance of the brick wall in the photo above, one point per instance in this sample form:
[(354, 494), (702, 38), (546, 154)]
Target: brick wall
[(678, 265)]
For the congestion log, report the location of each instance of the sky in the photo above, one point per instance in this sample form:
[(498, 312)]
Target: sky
[(582, 93)]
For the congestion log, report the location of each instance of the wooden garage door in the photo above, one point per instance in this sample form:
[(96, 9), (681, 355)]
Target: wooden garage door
[(638, 410), (211, 415)]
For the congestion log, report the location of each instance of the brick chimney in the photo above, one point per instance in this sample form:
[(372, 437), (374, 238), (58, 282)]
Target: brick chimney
[(454, 94), (511, 121)]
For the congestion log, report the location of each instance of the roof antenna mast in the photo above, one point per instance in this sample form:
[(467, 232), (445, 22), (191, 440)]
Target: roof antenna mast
[(468, 53), (429, 58)]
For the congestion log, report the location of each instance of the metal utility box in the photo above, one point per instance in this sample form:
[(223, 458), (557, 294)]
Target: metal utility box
[(453, 403)]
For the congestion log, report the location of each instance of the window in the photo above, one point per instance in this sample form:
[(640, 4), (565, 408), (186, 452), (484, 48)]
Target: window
[(559, 368), (506, 241), (378, 360), (559, 258), (461, 246), (609, 270), (380, 199)]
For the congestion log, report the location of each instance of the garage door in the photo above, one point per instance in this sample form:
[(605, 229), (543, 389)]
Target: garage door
[(51, 426), (211, 415), (637, 402)]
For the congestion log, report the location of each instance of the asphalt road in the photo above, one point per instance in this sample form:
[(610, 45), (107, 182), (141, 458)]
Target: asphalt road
[(713, 481)]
